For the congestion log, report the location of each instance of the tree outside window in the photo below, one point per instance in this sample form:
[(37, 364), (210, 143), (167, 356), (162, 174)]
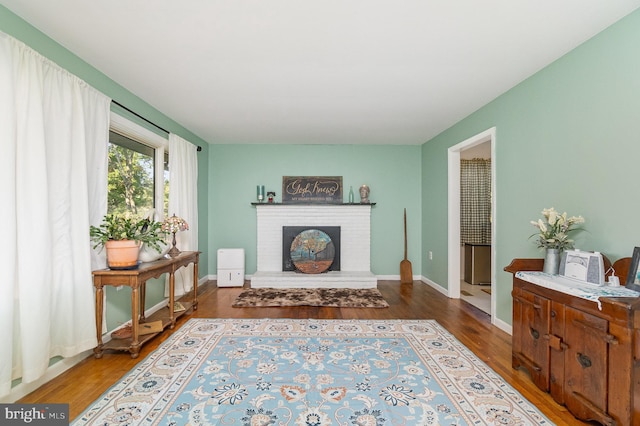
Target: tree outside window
[(131, 177)]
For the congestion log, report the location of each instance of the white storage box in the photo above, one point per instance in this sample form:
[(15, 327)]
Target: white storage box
[(230, 267)]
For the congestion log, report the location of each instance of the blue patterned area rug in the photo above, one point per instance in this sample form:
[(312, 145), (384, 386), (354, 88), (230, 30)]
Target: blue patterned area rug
[(311, 373)]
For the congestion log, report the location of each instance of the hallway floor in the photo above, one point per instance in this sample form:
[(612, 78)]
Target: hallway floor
[(476, 295)]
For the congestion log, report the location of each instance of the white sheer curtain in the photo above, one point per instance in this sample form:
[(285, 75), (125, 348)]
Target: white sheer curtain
[(183, 201), (53, 136)]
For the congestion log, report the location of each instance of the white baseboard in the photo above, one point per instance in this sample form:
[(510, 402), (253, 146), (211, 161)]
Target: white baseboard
[(502, 325), (23, 389), (494, 320), (434, 285), (395, 277), (248, 277)]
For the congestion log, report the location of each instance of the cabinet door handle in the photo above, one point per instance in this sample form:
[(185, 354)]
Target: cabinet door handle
[(609, 338), (584, 360), (556, 342), (526, 302)]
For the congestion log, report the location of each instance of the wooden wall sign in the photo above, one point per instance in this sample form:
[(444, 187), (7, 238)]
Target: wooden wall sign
[(312, 189)]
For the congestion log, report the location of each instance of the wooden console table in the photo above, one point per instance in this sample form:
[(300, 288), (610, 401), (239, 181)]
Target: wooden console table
[(136, 279)]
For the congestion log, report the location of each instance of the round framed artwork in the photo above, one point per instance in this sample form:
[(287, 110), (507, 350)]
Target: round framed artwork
[(312, 251)]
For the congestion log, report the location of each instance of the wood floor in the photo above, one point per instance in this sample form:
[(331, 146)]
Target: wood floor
[(85, 382)]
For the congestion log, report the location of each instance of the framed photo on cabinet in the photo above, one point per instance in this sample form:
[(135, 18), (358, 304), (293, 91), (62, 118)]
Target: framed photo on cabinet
[(633, 277)]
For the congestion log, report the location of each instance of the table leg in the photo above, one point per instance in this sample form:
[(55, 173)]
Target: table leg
[(172, 298), (143, 295), (99, 307), (135, 305), (195, 285)]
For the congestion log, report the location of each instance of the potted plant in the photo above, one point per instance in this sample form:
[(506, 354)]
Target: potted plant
[(123, 236), (553, 236)]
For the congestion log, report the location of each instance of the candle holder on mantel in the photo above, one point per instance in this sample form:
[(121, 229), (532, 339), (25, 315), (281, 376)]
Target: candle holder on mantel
[(260, 193), (174, 224)]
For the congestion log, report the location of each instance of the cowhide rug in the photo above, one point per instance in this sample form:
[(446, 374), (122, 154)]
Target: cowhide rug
[(331, 297)]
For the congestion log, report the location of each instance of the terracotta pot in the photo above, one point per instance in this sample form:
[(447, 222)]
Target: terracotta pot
[(122, 254)]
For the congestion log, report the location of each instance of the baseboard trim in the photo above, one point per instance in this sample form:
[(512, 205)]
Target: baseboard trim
[(23, 389), (507, 328), (434, 285)]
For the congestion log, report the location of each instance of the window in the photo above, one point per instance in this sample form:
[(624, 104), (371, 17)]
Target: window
[(138, 170)]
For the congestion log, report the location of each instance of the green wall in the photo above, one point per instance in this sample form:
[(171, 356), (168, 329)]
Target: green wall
[(567, 137), (392, 173), (118, 302)]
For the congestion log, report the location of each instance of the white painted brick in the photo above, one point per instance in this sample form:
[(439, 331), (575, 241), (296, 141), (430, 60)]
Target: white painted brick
[(331, 279), (355, 232)]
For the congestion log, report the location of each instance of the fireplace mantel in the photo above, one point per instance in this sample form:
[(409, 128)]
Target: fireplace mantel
[(313, 204), (355, 263)]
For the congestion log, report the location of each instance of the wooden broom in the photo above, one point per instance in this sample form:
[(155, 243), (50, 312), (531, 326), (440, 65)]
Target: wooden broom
[(406, 275)]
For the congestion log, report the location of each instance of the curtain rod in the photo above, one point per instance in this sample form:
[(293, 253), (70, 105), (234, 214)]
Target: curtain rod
[(143, 118)]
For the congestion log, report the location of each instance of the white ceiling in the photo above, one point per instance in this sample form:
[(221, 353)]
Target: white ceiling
[(322, 71)]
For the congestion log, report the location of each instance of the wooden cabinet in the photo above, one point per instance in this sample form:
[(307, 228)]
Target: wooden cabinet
[(584, 353)]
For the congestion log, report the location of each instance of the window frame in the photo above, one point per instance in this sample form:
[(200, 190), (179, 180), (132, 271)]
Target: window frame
[(160, 145)]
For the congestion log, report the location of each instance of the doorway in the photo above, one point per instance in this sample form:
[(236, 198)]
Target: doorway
[(482, 142)]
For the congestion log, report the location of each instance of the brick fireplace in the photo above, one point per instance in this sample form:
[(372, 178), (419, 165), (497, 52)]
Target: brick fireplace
[(354, 221)]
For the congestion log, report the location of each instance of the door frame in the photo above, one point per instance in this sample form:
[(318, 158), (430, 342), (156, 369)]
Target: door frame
[(453, 158)]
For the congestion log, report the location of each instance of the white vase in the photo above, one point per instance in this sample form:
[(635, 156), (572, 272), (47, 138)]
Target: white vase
[(149, 254), (551, 261)]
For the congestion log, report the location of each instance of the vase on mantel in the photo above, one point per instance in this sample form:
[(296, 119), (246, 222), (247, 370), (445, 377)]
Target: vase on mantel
[(551, 261)]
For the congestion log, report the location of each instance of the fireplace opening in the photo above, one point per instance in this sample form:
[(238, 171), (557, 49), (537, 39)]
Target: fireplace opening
[(321, 255)]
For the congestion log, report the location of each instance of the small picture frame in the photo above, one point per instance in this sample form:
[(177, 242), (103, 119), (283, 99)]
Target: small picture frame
[(633, 281)]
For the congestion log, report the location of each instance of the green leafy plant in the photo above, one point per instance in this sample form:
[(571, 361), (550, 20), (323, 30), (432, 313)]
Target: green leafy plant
[(114, 227), (554, 229)]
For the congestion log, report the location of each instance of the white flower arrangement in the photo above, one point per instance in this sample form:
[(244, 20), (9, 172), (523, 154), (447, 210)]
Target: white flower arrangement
[(554, 229)]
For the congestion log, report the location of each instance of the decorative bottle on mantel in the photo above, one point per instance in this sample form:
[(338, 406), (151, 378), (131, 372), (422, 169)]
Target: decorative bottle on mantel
[(351, 195)]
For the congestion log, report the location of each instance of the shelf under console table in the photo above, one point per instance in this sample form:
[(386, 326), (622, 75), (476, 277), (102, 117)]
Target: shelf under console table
[(136, 279), (579, 342)]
